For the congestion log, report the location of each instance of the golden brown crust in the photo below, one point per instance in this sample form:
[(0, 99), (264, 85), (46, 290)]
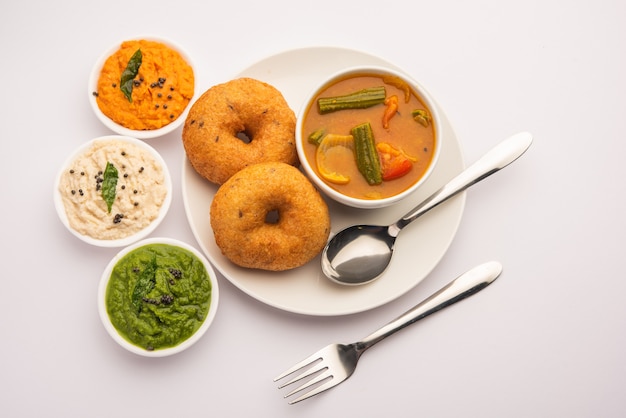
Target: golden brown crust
[(240, 207), (243, 105)]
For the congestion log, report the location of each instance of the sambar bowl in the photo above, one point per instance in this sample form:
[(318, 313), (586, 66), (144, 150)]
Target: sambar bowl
[(368, 136)]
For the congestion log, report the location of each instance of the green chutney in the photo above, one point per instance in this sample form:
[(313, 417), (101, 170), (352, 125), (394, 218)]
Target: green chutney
[(158, 295)]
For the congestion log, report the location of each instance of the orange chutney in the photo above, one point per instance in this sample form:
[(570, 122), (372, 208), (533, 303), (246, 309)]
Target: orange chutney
[(413, 138), (162, 88)]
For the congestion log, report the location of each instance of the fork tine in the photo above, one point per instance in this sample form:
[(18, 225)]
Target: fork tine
[(309, 360), (314, 369), (317, 379), (324, 387)]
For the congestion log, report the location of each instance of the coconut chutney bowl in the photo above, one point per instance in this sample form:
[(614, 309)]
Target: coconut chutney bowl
[(158, 297), (142, 87), (113, 191), (368, 136)]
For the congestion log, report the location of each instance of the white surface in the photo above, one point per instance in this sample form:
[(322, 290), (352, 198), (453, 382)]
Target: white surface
[(305, 290), (546, 339)]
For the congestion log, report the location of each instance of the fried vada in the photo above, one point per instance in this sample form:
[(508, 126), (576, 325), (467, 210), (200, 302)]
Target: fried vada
[(236, 124), (269, 216)]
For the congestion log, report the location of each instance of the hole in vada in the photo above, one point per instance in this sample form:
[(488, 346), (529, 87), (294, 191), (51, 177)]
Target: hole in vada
[(272, 217), (244, 137)]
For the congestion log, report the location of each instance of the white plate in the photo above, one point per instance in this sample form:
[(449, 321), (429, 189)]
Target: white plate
[(305, 290)]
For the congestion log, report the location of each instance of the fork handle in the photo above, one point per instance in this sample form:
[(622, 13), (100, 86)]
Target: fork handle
[(460, 288)]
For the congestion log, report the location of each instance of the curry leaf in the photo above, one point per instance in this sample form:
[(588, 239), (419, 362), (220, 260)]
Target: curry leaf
[(144, 284), (129, 74), (109, 184)]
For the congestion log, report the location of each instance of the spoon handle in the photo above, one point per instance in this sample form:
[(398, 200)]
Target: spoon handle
[(496, 159), (464, 286)]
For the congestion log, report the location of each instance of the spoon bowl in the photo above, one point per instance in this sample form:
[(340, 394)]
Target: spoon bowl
[(357, 252), (361, 253)]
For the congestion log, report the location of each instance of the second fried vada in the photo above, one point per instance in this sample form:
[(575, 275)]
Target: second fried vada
[(269, 216)]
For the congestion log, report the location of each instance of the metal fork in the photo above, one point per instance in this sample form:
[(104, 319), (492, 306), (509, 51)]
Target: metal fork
[(336, 362)]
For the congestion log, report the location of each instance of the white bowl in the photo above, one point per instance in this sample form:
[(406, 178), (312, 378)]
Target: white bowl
[(301, 137), (127, 240), (119, 129), (117, 337)]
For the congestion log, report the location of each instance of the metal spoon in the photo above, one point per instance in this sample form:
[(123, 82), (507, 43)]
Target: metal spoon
[(361, 253)]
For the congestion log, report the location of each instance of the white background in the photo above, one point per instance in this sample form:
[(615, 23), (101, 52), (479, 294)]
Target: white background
[(547, 339)]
